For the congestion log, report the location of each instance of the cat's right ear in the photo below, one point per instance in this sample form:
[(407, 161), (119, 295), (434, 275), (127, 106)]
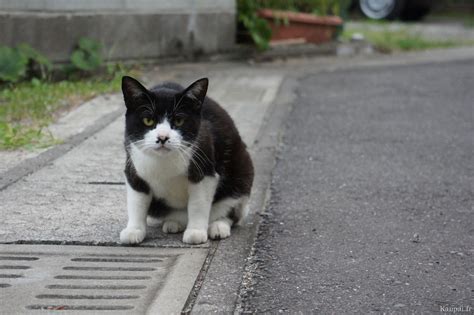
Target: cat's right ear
[(132, 91)]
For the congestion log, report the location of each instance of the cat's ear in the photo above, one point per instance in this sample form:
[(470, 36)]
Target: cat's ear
[(196, 92), (132, 90)]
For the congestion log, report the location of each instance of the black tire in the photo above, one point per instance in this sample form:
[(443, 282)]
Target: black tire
[(415, 12), (378, 10)]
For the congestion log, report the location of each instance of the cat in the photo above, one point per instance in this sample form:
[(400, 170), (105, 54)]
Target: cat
[(186, 163)]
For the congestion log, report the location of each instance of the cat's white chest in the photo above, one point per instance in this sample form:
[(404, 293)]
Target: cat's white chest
[(173, 190), (166, 176)]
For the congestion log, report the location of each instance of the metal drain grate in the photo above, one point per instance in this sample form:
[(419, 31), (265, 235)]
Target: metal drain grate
[(35, 278)]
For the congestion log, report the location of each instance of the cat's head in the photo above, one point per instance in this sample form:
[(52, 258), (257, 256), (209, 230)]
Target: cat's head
[(164, 119)]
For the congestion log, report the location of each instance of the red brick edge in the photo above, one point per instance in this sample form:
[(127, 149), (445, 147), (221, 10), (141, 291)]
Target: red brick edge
[(300, 17)]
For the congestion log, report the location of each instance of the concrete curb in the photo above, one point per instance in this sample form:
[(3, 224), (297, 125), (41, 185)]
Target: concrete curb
[(219, 291)]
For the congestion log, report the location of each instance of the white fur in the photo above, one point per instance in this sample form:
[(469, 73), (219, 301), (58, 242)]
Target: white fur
[(175, 222), (162, 129), (165, 170), (242, 210), (220, 224), (222, 208), (152, 221), (171, 226), (201, 195), (220, 228), (137, 208)]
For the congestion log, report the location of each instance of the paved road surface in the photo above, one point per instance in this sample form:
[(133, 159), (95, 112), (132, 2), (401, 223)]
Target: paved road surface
[(372, 196)]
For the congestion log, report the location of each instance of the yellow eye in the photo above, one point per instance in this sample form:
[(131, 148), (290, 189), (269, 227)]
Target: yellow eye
[(148, 122), (178, 122)]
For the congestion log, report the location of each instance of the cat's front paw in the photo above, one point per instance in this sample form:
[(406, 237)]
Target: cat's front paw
[(194, 236), (132, 236), (219, 230), (172, 227)]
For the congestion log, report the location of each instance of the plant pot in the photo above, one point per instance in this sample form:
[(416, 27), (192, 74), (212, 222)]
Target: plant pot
[(288, 26)]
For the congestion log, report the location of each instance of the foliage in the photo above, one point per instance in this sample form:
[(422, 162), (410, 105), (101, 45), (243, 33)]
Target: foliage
[(386, 40), (87, 56), (12, 64), (259, 29), (466, 18), (30, 99), (39, 65), (27, 108), (24, 62), (17, 63), (318, 7)]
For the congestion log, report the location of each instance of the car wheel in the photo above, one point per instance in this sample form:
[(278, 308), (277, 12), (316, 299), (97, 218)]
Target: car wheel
[(415, 11), (381, 9)]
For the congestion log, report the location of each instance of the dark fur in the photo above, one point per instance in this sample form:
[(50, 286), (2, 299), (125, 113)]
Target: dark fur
[(207, 124)]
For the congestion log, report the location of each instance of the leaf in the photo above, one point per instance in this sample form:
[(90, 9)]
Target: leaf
[(88, 55), (13, 64), (35, 55), (89, 45)]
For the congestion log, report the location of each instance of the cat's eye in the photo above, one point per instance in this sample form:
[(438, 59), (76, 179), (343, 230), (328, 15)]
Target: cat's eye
[(148, 122), (178, 122)]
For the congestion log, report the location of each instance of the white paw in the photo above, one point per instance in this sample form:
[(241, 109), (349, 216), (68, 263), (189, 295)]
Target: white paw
[(151, 221), (172, 227), (219, 230), (194, 236), (132, 236)]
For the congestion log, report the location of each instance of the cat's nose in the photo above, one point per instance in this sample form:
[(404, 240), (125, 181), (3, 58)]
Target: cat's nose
[(162, 139)]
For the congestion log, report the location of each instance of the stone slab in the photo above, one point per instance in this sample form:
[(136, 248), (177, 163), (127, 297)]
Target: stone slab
[(100, 280)]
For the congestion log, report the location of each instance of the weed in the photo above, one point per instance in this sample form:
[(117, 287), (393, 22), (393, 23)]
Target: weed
[(17, 63), (27, 108), (387, 40), (87, 56)]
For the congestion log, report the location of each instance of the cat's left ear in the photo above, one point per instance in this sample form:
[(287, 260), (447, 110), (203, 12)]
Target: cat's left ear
[(132, 91), (196, 92)]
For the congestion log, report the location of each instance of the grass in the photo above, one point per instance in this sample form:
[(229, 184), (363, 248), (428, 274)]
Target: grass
[(386, 40), (467, 19), (26, 109)]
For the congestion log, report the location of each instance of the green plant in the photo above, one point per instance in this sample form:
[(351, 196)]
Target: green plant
[(22, 61), (28, 107), (259, 29), (387, 40), (87, 57), (12, 64), (38, 63), (318, 7)]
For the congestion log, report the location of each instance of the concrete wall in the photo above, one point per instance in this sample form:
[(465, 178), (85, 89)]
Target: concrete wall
[(128, 29)]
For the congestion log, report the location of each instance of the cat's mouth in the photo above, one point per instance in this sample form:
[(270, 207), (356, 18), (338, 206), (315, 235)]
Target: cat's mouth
[(161, 148)]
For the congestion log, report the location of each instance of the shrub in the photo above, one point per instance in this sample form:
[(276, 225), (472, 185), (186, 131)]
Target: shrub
[(12, 64), (258, 27), (318, 7), (87, 57), (22, 61), (38, 64)]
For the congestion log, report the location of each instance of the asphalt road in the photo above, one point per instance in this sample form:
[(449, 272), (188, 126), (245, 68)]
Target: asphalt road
[(372, 195)]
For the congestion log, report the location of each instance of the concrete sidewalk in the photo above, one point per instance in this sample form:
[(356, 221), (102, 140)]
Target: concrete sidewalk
[(74, 194), (78, 198)]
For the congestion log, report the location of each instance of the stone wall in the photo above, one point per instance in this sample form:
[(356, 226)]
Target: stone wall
[(140, 29)]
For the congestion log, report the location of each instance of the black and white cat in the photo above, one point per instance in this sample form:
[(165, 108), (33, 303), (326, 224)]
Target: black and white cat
[(186, 163)]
